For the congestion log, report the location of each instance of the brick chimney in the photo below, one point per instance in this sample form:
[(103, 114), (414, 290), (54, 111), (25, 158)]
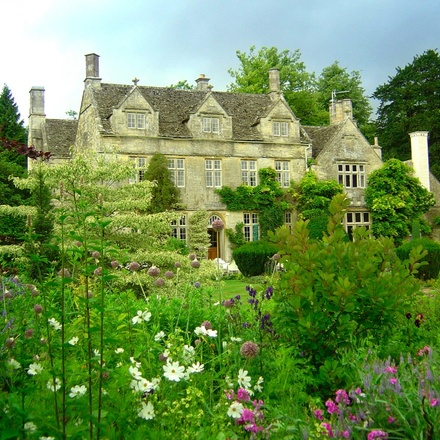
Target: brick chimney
[(420, 157), (340, 110), (203, 83), (92, 70)]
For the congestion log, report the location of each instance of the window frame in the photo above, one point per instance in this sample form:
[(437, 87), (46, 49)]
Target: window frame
[(213, 173), (249, 172), (283, 173), (251, 227), (354, 219), (352, 175), (180, 228), (176, 165), (135, 120), (211, 124), (280, 128), (139, 166)]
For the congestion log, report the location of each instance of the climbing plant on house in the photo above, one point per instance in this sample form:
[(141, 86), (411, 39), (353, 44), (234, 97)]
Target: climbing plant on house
[(267, 198)]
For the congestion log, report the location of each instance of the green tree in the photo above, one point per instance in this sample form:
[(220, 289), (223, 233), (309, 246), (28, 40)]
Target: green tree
[(182, 85), (297, 85), (11, 126), (410, 101), (165, 195), (335, 78), (396, 199), (199, 240)]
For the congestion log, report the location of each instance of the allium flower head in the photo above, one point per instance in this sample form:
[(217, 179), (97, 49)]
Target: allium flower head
[(38, 308), (177, 264), (159, 282), (98, 271), (249, 349), (134, 266), (169, 274), (195, 264), (64, 273), (197, 284), (29, 333), (228, 303), (114, 264), (276, 257), (192, 256), (96, 255), (207, 325), (217, 225), (153, 271)]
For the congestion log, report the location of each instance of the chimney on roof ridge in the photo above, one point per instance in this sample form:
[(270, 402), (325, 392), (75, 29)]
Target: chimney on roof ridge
[(274, 81), (203, 83), (340, 110), (37, 101), (420, 156), (92, 70)]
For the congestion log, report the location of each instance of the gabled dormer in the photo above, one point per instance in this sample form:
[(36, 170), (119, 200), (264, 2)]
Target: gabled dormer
[(134, 116), (210, 120)]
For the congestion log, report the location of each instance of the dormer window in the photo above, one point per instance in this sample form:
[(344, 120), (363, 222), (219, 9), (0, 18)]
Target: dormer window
[(280, 128), (136, 120), (211, 125)]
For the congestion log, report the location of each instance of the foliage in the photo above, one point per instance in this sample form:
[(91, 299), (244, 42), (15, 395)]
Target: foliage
[(165, 195), (236, 236), (432, 258), (334, 293), (391, 399), (409, 102), (267, 198), (396, 199), (11, 126), (199, 239), (253, 257), (311, 198), (334, 78), (297, 85), (182, 85)]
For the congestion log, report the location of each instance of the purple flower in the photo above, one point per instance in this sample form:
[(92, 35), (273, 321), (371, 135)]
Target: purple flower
[(134, 266), (153, 271), (318, 414), (98, 271), (197, 285), (29, 333), (38, 308), (64, 273), (207, 325), (159, 282), (177, 264), (276, 257), (249, 349), (247, 415), (96, 255), (217, 225), (269, 292), (434, 402), (342, 396), (195, 263), (228, 303), (328, 427), (169, 274), (192, 256), (114, 264), (10, 342), (392, 370)]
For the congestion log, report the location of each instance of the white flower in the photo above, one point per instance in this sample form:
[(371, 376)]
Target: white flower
[(77, 391), (147, 411), (50, 385), (173, 371), (188, 353), (243, 379), (34, 369), (14, 364), (133, 361), (47, 438), (197, 367), (159, 336), (234, 339), (74, 340), (95, 352), (119, 350), (30, 426), (205, 332), (135, 373), (141, 316), (257, 386), (235, 410), (54, 323)]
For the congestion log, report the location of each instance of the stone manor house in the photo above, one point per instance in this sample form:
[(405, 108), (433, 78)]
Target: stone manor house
[(214, 139)]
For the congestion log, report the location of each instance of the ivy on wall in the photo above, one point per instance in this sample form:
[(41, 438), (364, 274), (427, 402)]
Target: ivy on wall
[(267, 198)]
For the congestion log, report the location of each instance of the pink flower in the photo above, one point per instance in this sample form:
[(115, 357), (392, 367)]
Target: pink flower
[(393, 381), (392, 370), (344, 434), (247, 415), (332, 408), (217, 225), (434, 402), (342, 396), (318, 414), (328, 427), (243, 395), (377, 434), (391, 419)]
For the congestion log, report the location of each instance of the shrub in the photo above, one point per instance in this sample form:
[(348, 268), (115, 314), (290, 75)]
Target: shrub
[(252, 257), (430, 270)]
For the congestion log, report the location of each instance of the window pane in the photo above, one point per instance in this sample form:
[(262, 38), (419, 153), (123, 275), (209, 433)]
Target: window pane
[(284, 129)]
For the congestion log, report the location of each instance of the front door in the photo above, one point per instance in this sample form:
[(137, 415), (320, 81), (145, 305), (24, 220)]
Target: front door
[(214, 250)]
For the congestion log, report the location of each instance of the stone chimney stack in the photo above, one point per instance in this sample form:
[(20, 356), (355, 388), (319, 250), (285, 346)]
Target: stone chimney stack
[(420, 157), (377, 148), (37, 118), (92, 70), (36, 101), (274, 81), (340, 110), (203, 83)]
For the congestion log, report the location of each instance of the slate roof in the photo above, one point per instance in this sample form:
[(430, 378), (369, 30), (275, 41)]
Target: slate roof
[(60, 136), (175, 106), (320, 136)]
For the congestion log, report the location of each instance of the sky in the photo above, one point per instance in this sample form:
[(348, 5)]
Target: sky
[(162, 42)]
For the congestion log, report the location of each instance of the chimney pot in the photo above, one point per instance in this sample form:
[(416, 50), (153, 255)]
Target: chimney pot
[(203, 83)]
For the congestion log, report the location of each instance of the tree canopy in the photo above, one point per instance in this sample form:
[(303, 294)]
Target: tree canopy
[(396, 199), (308, 96), (410, 101)]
